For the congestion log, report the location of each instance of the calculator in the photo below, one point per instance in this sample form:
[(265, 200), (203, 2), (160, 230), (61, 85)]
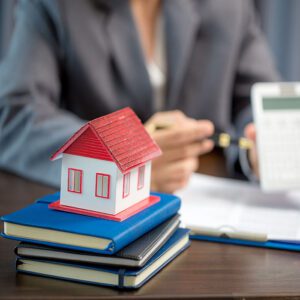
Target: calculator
[(276, 111)]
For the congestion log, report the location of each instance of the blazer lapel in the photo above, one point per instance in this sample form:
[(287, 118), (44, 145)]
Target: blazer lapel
[(128, 55), (181, 25), (181, 22)]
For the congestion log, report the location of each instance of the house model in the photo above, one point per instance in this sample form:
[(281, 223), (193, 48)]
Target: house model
[(106, 167)]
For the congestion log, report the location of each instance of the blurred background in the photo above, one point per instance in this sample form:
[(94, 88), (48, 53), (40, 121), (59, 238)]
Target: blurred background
[(279, 19)]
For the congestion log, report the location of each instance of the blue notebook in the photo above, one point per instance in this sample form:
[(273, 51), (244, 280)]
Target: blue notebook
[(101, 275), (267, 244), (37, 223)]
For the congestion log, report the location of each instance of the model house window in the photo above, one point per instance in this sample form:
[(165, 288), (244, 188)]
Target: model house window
[(74, 180), (141, 177), (126, 185), (102, 185)]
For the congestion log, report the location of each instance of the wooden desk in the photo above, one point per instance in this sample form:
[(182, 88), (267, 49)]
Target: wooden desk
[(204, 270)]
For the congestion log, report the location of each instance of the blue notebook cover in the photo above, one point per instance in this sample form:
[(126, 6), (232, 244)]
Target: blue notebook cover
[(122, 273), (268, 244), (119, 233)]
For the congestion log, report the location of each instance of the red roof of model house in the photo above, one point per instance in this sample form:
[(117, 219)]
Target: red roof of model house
[(119, 137)]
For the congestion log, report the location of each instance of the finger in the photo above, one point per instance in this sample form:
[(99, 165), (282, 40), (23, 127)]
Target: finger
[(173, 176), (186, 151), (172, 187), (181, 170), (177, 170), (182, 135), (250, 132), (167, 117)]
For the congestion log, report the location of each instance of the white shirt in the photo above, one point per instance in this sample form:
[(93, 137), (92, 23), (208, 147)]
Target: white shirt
[(157, 67)]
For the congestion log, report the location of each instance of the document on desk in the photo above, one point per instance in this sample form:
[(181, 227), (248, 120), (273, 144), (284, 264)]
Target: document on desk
[(220, 207)]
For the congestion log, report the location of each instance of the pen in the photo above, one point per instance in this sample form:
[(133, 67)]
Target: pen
[(222, 140), (228, 233)]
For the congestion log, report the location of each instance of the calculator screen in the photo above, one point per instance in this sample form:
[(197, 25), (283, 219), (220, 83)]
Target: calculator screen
[(275, 103)]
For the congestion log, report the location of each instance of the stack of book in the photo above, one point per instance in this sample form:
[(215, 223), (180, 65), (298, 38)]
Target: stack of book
[(98, 251)]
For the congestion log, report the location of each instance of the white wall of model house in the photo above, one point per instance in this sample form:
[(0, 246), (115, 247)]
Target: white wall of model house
[(135, 194), (87, 198)]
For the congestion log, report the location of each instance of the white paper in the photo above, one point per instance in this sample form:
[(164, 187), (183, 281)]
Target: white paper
[(225, 205)]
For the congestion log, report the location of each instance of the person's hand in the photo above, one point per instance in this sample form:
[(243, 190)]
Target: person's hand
[(250, 133), (181, 142)]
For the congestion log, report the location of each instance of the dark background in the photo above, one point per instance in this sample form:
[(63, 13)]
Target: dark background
[(279, 19)]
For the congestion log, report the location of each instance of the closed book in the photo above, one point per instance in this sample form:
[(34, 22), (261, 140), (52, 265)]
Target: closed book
[(135, 254), (101, 275), (37, 223)]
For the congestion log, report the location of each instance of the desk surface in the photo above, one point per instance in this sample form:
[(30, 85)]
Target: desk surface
[(204, 270)]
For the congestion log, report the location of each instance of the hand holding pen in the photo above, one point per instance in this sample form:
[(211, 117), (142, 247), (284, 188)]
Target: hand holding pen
[(222, 139), (183, 140)]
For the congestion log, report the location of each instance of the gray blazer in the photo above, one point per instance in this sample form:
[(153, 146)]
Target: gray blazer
[(71, 61)]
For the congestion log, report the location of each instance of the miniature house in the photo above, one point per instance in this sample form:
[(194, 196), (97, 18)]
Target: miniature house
[(106, 165)]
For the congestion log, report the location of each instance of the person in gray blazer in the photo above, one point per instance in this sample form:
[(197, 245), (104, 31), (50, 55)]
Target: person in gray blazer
[(186, 63)]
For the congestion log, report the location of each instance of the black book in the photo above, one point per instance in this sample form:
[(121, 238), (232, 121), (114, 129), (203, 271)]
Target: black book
[(121, 277)]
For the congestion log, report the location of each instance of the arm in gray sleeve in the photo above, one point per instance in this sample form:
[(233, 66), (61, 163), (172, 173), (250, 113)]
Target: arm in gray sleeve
[(255, 64), (32, 126)]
